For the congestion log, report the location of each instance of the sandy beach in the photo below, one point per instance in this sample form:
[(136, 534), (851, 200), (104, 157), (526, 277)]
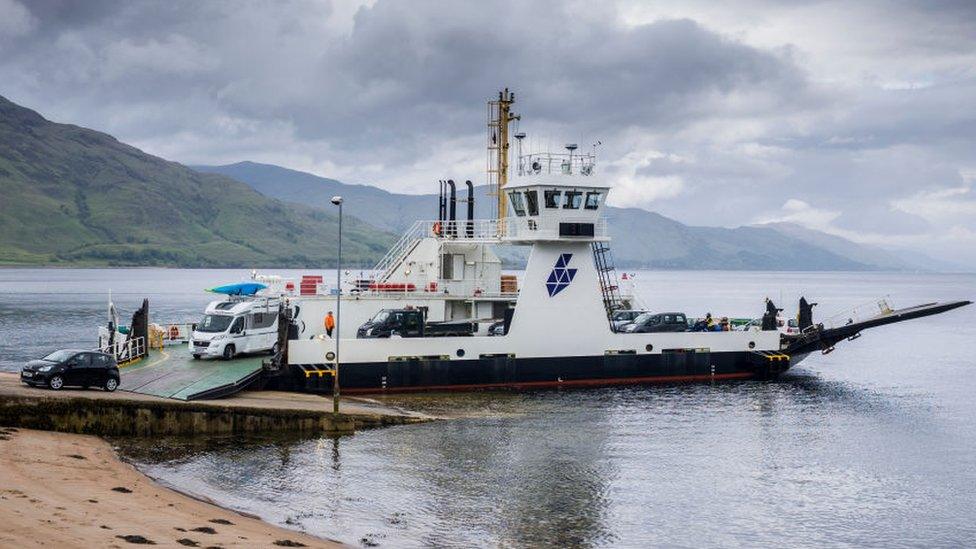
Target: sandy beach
[(66, 490)]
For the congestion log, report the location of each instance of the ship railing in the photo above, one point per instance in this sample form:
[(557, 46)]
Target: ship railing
[(473, 289), (170, 333), (126, 350), (476, 230), (493, 231), (277, 284), (557, 163), (452, 288), (859, 313)]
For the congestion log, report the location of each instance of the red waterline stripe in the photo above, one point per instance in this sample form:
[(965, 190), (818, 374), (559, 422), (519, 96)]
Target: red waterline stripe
[(543, 384)]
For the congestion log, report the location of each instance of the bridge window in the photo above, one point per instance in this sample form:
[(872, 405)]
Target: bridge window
[(532, 202), (573, 200), (592, 201), (552, 198), (518, 203)]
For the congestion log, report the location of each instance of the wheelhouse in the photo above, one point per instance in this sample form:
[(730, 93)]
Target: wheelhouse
[(545, 209)]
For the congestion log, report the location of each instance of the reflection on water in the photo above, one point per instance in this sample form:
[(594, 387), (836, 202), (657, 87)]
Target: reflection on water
[(870, 445), (466, 482), (798, 460)]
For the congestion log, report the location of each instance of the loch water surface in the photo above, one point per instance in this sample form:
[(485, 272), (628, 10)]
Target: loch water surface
[(872, 445)]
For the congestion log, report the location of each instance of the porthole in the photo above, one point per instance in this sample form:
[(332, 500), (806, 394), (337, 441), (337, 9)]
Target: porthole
[(460, 352), (649, 347), (330, 356), (752, 344)]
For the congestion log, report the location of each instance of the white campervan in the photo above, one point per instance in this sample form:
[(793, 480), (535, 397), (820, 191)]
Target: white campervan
[(236, 326)]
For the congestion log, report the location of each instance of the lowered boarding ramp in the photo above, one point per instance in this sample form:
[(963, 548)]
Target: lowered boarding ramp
[(173, 373)]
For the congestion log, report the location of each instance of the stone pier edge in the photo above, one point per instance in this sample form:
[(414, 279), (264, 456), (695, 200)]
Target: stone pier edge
[(123, 417)]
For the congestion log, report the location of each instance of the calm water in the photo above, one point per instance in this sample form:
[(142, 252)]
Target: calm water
[(872, 445)]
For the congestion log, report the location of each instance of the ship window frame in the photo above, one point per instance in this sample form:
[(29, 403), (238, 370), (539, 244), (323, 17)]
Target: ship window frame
[(552, 198), (447, 266), (532, 202), (592, 201), (518, 203), (574, 199)]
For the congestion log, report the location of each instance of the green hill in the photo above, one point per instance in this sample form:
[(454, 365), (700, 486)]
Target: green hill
[(70, 195)]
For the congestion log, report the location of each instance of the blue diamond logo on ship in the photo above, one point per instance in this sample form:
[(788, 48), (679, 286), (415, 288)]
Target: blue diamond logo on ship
[(561, 275)]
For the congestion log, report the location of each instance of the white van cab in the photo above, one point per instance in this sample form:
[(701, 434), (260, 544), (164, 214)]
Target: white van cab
[(236, 326)]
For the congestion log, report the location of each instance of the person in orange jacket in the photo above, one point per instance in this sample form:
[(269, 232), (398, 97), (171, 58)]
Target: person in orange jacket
[(329, 324)]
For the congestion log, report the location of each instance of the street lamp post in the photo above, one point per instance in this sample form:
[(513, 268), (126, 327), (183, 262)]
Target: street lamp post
[(337, 200)]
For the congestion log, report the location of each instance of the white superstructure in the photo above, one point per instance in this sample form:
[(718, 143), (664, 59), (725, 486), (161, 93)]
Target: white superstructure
[(453, 278)]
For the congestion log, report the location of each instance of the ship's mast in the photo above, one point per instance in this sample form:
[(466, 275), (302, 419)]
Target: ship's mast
[(499, 117)]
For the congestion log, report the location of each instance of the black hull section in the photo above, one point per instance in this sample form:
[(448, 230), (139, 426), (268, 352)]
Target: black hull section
[(522, 373)]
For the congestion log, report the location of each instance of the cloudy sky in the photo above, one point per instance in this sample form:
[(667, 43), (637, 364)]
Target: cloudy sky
[(856, 118)]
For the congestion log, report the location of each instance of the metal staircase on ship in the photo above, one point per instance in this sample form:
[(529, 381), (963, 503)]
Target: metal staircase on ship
[(609, 287), (410, 239), (477, 231)]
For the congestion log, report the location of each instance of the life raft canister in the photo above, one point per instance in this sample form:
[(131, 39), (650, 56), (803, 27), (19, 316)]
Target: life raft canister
[(174, 332)]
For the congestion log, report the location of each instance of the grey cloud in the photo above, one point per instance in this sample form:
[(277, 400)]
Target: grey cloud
[(716, 166), (883, 219), (405, 63), (941, 114), (575, 71)]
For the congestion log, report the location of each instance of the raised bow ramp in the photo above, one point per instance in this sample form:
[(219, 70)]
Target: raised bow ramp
[(173, 373), (821, 338)]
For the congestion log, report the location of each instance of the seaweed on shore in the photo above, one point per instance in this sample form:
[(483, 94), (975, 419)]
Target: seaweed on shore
[(137, 539)]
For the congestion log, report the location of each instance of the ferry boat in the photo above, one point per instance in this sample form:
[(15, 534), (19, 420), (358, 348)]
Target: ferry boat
[(558, 327), (438, 313)]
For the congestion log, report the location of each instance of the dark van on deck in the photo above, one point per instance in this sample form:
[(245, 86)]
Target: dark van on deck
[(75, 368)]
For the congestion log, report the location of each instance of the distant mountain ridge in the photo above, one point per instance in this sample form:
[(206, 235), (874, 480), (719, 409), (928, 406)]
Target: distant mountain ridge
[(74, 196), (868, 254), (641, 239)]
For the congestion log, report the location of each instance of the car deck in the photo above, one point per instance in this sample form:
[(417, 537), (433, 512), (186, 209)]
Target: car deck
[(172, 373)]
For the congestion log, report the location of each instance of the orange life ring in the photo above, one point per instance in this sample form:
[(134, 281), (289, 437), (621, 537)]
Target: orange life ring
[(174, 332), (437, 228)]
